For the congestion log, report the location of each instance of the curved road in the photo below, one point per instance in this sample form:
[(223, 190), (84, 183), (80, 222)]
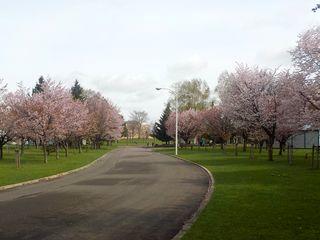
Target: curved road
[(132, 193)]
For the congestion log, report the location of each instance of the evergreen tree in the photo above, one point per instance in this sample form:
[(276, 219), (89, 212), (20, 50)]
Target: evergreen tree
[(125, 131), (159, 130), (77, 91), (38, 87)]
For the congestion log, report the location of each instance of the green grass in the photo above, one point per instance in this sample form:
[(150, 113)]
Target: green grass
[(32, 166), (257, 199)]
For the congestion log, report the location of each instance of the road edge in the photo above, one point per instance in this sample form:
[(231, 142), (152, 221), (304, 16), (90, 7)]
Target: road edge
[(55, 176), (189, 222)]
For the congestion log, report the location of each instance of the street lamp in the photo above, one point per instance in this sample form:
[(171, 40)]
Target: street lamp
[(177, 112)]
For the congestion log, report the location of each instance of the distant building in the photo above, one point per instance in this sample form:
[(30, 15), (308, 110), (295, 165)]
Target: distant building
[(305, 139)]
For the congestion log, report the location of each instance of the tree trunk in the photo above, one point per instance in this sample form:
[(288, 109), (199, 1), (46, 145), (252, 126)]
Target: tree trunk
[(244, 149), (270, 148), (221, 146), (22, 146), (65, 146), (66, 150), (79, 146), (45, 156), (290, 154), (281, 147), (57, 151), (17, 158), (260, 146)]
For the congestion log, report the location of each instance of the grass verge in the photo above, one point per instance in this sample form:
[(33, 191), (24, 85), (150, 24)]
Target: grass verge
[(257, 199), (32, 166)]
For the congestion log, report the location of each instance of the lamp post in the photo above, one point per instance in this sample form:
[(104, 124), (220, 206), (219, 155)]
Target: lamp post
[(177, 113)]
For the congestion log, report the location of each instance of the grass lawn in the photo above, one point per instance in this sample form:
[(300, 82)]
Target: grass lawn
[(257, 199), (32, 165)]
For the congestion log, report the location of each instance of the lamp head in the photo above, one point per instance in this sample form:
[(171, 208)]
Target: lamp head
[(158, 88)]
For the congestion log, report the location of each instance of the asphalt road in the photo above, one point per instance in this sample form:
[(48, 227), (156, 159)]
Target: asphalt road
[(131, 194)]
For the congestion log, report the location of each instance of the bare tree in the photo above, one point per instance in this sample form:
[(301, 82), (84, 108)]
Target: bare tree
[(139, 117), (132, 127)]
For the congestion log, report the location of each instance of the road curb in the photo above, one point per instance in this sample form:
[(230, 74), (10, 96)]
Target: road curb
[(52, 177), (187, 224)]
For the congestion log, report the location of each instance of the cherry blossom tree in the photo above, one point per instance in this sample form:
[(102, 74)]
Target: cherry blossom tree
[(105, 121), (291, 115), (74, 120), (255, 97), (15, 102), (306, 58), (6, 121), (50, 115), (216, 125), (306, 55), (43, 116), (189, 124)]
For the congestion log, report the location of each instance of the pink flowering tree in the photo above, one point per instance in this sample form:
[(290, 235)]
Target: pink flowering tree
[(216, 125), (189, 124), (53, 117), (42, 116), (47, 116), (16, 103), (75, 120), (6, 121), (306, 55), (306, 58), (255, 97), (105, 121), (291, 115)]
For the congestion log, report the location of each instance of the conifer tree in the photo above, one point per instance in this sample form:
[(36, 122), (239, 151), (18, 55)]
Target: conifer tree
[(159, 130), (77, 91), (125, 131), (38, 88)]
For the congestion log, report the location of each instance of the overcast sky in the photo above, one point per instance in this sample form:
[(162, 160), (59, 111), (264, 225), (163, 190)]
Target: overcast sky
[(126, 48)]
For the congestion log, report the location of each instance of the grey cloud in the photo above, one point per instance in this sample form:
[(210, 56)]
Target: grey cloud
[(185, 69), (274, 58)]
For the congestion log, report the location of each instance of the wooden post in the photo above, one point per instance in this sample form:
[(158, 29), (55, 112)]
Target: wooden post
[(290, 153), (57, 150), (312, 157), (17, 157), (318, 160)]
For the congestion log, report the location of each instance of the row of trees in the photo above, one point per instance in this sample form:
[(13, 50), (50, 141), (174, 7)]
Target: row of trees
[(258, 104), (54, 116)]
